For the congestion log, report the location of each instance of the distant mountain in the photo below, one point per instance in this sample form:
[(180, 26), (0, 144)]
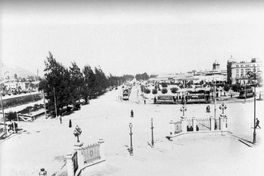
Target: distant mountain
[(10, 71)]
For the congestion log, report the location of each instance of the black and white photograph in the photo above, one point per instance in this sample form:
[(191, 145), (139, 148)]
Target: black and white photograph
[(131, 88)]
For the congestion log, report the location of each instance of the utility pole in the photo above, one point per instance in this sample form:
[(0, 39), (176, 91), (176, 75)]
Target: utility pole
[(43, 94), (55, 103), (254, 132)]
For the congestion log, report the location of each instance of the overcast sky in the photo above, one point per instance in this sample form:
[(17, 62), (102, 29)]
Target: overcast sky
[(131, 37)]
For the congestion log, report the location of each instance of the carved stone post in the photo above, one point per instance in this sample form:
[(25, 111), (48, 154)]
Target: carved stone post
[(102, 149), (70, 166), (212, 124), (194, 123)]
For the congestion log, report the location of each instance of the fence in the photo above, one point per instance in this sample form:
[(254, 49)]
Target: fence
[(91, 153), (199, 124), (204, 124), (85, 156)]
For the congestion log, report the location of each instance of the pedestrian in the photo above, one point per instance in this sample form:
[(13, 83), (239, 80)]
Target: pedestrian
[(257, 123), (60, 119), (197, 128), (144, 101), (70, 123), (132, 113)]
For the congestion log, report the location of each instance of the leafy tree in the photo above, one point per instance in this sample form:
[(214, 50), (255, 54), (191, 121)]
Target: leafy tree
[(154, 91), (147, 91), (101, 81), (128, 77), (56, 85), (226, 87), (236, 87), (76, 82), (163, 84), (174, 90), (15, 76), (143, 76), (164, 91), (89, 83), (153, 76)]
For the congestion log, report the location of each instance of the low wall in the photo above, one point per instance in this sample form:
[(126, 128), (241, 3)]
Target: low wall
[(84, 156), (21, 99), (188, 125)]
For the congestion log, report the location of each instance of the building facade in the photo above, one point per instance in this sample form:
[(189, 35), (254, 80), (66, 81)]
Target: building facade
[(237, 72)]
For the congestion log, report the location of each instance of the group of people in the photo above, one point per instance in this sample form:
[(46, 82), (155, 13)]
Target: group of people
[(190, 128)]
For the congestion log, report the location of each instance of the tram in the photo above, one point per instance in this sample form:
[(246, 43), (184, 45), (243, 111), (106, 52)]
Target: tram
[(200, 96), (246, 92), (164, 99), (125, 94)]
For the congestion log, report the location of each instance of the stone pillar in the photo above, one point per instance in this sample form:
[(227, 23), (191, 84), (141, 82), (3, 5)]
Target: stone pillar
[(70, 167), (225, 125), (102, 149), (184, 124), (212, 123), (194, 123), (78, 149), (221, 119), (172, 127)]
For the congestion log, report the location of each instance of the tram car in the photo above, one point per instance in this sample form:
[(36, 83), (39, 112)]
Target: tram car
[(164, 99), (246, 92), (199, 96), (125, 94)]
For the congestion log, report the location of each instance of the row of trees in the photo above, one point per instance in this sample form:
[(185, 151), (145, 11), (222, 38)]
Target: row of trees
[(64, 87)]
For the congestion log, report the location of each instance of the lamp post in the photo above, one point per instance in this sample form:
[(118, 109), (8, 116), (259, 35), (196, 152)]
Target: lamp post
[(183, 109), (152, 135), (131, 144), (222, 107)]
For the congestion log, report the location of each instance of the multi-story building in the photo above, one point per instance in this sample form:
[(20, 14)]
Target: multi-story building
[(237, 72), (214, 75)]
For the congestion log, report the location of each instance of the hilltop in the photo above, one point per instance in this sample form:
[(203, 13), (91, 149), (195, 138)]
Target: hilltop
[(11, 70)]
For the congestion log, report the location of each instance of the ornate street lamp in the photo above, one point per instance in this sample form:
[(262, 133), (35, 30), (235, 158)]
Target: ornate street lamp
[(131, 144), (77, 132), (223, 107), (43, 172), (183, 109)]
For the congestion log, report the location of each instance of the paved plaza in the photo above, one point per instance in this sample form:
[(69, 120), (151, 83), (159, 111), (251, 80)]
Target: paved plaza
[(45, 142)]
